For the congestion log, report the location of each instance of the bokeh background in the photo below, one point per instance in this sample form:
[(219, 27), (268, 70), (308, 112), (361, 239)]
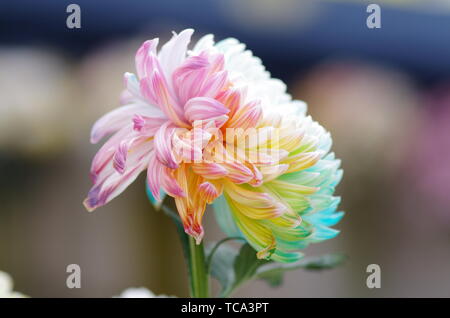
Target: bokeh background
[(383, 93)]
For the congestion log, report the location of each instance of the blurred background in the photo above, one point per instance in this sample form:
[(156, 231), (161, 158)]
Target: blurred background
[(383, 93)]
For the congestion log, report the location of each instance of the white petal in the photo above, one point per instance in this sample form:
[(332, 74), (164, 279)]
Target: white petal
[(247, 70), (173, 53), (204, 43)]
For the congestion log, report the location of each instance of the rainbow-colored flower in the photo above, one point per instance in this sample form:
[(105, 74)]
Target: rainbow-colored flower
[(211, 126)]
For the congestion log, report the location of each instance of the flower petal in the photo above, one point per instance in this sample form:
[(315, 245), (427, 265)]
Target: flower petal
[(188, 78), (118, 118), (147, 125), (154, 171), (209, 170), (192, 207), (173, 53), (113, 185), (214, 84), (210, 191), (238, 172), (247, 116), (130, 152), (244, 198), (170, 184), (163, 145), (105, 154), (155, 89), (143, 54), (204, 108)]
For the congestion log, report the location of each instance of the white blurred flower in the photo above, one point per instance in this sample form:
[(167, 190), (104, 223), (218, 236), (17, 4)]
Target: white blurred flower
[(6, 287), (140, 292), (36, 107)]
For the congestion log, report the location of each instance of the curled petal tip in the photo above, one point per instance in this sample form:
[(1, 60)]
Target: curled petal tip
[(198, 239), (87, 205), (209, 192), (93, 199), (120, 158), (156, 194), (138, 122), (92, 140), (197, 232), (267, 252)]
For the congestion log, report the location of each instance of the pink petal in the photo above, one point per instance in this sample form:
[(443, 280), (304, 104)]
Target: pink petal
[(232, 98), (188, 78), (194, 229), (106, 152), (220, 121), (238, 172), (209, 170), (203, 108), (120, 157), (214, 84), (258, 177), (169, 183), (114, 184), (130, 152), (189, 145), (159, 176), (163, 145), (147, 125), (154, 89), (247, 116), (209, 192), (143, 53), (154, 171)]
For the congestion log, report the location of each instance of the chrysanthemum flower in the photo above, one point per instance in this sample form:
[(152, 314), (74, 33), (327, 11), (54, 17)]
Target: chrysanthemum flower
[(211, 125)]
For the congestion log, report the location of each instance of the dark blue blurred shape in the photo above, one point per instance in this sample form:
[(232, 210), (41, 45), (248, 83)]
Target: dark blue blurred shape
[(417, 42)]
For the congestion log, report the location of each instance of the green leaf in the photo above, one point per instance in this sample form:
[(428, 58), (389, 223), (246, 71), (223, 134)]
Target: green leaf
[(246, 264), (221, 266), (274, 279), (272, 272), (233, 267)]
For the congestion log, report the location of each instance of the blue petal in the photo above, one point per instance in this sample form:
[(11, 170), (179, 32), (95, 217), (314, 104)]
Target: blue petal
[(152, 199), (326, 218), (224, 217)]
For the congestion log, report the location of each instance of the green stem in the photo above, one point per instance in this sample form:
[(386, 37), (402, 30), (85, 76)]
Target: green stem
[(199, 275)]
